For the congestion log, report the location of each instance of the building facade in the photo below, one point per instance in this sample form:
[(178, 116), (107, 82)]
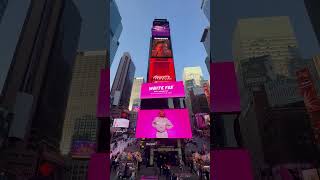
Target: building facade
[(206, 43), (275, 136), (193, 73), (274, 36), (312, 7), (83, 93), (94, 30), (39, 59), (123, 81), (3, 5), (135, 93), (115, 29)]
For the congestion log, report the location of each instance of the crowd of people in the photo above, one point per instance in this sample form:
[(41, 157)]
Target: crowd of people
[(199, 163), (126, 164)]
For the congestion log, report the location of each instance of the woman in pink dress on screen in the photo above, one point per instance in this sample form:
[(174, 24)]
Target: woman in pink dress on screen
[(162, 124)]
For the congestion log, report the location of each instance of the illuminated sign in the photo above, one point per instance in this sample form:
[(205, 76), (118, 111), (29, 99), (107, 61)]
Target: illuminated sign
[(161, 47), (311, 100), (225, 96), (160, 28), (162, 90), (83, 149), (161, 70), (168, 123), (121, 123), (103, 98)]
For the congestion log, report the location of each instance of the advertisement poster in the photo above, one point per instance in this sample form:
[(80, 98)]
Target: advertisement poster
[(168, 123), (161, 70), (121, 123), (83, 149), (225, 96), (161, 48), (162, 90), (160, 28), (311, 100)]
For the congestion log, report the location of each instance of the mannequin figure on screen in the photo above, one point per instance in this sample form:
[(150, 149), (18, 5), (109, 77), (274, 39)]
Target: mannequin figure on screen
[(162, 124)]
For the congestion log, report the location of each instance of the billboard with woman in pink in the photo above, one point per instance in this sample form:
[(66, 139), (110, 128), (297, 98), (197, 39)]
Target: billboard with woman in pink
[(167, 123)]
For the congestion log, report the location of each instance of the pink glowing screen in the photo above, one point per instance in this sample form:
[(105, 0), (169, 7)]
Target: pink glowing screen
[(231, 164), (99, 167), (103, 98), (171, 123), (225, 96), (162, 90)]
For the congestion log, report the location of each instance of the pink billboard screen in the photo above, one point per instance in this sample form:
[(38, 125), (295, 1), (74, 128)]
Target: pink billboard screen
[(231, 164), (103, 98), (167, 123), (99, 167), (162, 90), (225, 96)]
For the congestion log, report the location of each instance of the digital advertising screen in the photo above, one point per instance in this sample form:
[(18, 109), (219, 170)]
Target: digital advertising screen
[(98, 168), (83, 149), (162, 90), (121, 123), (225, 96), (161, 47), (311, 100), (161, 70), (103, 97), (160, 28), (231, 164), (167, 123)]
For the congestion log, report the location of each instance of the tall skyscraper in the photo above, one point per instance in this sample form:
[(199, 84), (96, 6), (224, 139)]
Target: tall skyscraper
[(115, 29), (39, 59), (3, 5), (312, 7), (205, 6), (83, 93), (135, 93), (11, 27), (274, 36), (193, 73), (95, 20), (206, 42), (123, 81)]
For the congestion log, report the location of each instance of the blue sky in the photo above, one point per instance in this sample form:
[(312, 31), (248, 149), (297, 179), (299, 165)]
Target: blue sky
[(187, 22)]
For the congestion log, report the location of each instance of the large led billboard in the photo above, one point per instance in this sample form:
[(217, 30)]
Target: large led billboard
[(103, 97), (160, 28), (311, 100), (162, 90), (82, 149), (161, 70), (167, 123), (231, 164), (161, 47), (225, 96)]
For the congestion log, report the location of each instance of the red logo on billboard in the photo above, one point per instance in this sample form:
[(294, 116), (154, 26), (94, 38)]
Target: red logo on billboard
[(162, 78)]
